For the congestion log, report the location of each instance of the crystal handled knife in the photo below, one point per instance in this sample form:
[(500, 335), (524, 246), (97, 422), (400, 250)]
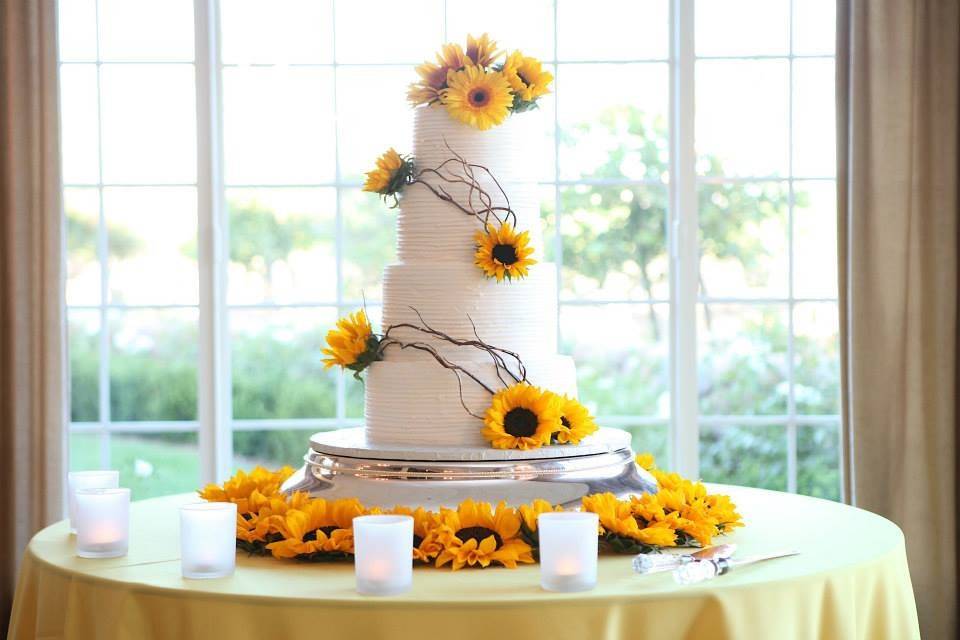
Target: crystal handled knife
[(700, 570), (645, 563)]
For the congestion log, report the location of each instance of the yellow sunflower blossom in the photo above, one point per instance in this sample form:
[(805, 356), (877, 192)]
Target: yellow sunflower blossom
[(527, 78), (266, 515), (616, 517), (475, 534), (477, 97), (426, 545), (530, 512), (390, 175), (646, 461), (242, 486), (521, 417), (321, 526), (503, 253), (576, 420), (351, 344), (724, 511), (482, 51)]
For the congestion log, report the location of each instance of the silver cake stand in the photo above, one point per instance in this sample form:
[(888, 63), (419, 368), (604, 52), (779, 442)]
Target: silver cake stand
[(343, 464)]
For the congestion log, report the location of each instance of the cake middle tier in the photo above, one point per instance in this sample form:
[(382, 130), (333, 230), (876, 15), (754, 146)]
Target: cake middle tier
[(418, 402), (454, 297)]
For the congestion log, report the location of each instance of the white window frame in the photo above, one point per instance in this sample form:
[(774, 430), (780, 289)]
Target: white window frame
[(215, 424)]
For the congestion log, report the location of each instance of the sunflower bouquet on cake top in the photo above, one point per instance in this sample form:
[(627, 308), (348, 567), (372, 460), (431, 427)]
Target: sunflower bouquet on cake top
[(520, 415), (480, 86)]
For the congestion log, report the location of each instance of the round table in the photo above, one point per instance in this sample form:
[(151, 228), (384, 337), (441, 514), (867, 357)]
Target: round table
[(849, 581)]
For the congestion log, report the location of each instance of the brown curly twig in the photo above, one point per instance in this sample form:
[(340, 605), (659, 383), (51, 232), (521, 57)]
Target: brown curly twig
[(465, 174)]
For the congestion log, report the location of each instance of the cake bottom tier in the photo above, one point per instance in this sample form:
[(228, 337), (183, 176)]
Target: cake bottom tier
[(418, 402)]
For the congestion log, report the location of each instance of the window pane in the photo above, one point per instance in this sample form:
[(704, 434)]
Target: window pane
[(149, 123), (84, 332), (78, 121), (281, 31), (754, 456), (156, 464), (621, 353), (282, 245), (77, 23), (814, 239), (742, 353), (146, 30), (548, 219), (152, 244), (743, 27), (89, 451), (380, 30), (369, 243), (614, 242), (278, 365), (619, 132), (818, 460), (613, 30), (153, 364), (651, 438), (742, 123), (814, 27), (814, 118), (278, 125), (744, 244), (82, 213), (364, 137), (508, 22), (272, 448), (816, 349)]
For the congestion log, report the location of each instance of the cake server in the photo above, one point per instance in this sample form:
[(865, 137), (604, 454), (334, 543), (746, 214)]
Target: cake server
[(645, 563), (700, 570)]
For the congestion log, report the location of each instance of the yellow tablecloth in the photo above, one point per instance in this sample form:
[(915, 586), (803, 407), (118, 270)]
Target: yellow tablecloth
[(850, 581)]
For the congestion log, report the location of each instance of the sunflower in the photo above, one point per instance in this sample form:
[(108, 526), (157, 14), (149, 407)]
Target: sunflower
[(503, 253), (482, 51), (321, 527), (527, 78), (622, 529), (419, 93), (352, 344), (475, 534), (242, 486), (646, 461), (576, 420), (477, 97), (521, 417), (392, 173), (261, 525), (426, 546), (452, 58)]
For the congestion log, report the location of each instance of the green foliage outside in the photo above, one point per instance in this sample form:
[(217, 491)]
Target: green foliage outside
[(609, 231)]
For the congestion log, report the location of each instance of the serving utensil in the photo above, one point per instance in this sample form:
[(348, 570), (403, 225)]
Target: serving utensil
[(646, 563), (701, 570)]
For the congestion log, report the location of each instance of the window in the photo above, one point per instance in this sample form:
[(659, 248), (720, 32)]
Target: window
[(213, 155)]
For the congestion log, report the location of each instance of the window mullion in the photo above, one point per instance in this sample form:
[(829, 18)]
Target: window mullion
[(214, 379), (683, 243)]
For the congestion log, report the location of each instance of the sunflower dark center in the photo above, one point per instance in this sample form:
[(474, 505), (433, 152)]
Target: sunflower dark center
[(520, 422), (479, 534), (504, 254), (564, 421), (312, 535), (479, 97), (417, 541), (523, 78)]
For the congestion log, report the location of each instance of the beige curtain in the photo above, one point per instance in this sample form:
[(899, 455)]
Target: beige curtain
[(33, 383), (897, 82)]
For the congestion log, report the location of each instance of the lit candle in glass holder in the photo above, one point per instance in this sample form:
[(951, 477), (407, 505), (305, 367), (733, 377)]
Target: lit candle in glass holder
[(208, 539), (568, 550), (103, 522), (104, 479), (383, 548)]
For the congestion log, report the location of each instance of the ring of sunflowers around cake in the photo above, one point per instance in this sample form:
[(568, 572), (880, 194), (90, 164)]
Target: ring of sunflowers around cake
[(475, 534)]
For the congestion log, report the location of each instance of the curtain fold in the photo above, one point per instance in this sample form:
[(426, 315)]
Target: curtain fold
[(33, 381), (897, 164)]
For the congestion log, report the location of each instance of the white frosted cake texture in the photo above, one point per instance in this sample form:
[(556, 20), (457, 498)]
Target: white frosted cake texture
[(410, 398)]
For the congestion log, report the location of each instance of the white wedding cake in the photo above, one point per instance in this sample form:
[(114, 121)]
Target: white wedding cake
[(410, 400)]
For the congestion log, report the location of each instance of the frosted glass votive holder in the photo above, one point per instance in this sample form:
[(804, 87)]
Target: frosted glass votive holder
[(104, 479), (103, 522), (208, 539), (383, 554), (568, 550)]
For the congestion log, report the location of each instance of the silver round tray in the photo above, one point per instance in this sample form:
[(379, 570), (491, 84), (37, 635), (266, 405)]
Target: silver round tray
[(378, 476)]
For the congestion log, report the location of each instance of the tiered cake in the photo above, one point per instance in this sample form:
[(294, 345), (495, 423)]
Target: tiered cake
[(409, 399)]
